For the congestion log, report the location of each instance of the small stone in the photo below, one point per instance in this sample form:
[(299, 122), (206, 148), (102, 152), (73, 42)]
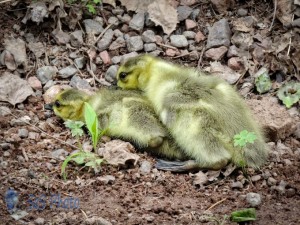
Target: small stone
[(149, 218), (105, 57), (135, 44), (253, 199), (190, 24), (97, 220), (118, 33), (118, 43), (6, 154), (216, 53), (290, 192), (148, 21), (149, 47), (184, 12), (92, 26), (237, 185), (4, 111), (145, 167), (194, 15), (117, 11), (199, 37), (48, 85), (255, 178), (80, 62), (194, 55), (3, 164), (128, 56), (125, 19), (287, 162), (171, 52), (35, 83), (39, 221), (23, 133), (156, 52), (114, 21), (189, 34), (281, 187), (111, 74), (67, 71), (33, 135), (4, 146), (79, 83), (116, 59), (24, 120), (179, 41), (232, 51), (137, 22), (236, 63), (148, 36), (271, 181), (219, 34), (58, 153), (76, 38), (46, 73), (242, 12), (105, 41), (107, 179)]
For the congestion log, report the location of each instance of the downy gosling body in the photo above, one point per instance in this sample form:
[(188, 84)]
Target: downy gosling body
[(203, 113), (124, 114)]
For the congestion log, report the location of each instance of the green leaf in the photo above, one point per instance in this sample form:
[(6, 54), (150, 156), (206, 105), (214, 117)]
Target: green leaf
[(243, 215), (92, 124), (65, 163), (91, 8), (96, 1), (75, 126), (289, 94), (243, 138), (263, 82)]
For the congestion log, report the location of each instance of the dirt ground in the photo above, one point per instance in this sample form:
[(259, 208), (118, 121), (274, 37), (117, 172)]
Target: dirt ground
[(28, 166)]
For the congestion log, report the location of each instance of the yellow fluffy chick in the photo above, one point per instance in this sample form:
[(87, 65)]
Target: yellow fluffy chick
[(203, 113), (124, 114)]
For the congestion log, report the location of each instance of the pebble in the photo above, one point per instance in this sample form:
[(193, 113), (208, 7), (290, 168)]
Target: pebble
[(235, 63), (118, 33), (125, 19), (4, 164), (107, 179), (6, 154), (255, 178), (117, 11), (287, 162), (96, 220), (111, 74), (35, 83), (135, 44), (242, 12), (237, 184), (281, 187), (232, 51), (199, 37), (194, 15), (190, 24), (148, 21), (219, 34), (58, 153), (39, 221), (114, 21), (4, 146), (80, 62), (67, 71), (48, 85), (137, 22), (46, 73), (105, 57), (253, 199), (216, 53), (76, 38), (290, 192), (79, 83), (148, 36), (92, 26), (118, 43), (105, 41), (4, 111), (179, 41), (99, 20), (189, 34), (34, 135), (183, 12), (145, 167), (20, 121), (271, 181), (23, 133), (149, 47)]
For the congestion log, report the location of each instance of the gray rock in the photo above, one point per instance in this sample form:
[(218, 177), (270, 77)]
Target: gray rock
[(281, 187), (96, 220), (67, 71), (145, 167), (80, 62), (23, 133), (271, 181), (58, 153), (3, 164), (111, 74), (105, 40), (219, 34), (242, 12), (4, 146), (6, 154), (148, 21), (233, 51), (46, 73), (253, 199), (116, 59), (107, 179), (149, 47), (121, 59), (100, 20), (92, 26), (24, 120), (255, 178), (156, 52), (148, 36), (48, 85), (118, 43), (237, 185), (179, 41), (137, 22), (134, 44), (184, 12), (114, 21), (39, 221), (79, 83), (118, 33), (189, 34), (125, 19), (4, 111), (195, 14), (76, 38), (117, 11)]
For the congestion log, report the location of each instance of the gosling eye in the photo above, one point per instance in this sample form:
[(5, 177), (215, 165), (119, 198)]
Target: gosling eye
[(57, 104), (123, 75)]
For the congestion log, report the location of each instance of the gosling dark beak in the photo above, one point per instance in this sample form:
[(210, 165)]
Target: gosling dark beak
[(49, 106)]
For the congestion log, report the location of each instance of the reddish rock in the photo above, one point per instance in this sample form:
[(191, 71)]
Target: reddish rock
[(190, 24), (171, 52), (235, 63), (105, 57), (35, 83), (216, 53), (199, 37)]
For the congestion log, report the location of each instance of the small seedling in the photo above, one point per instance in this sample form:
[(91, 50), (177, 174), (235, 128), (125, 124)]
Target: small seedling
[(243, 215), (263, 83), (89, 4), (289, 94), (243, 138)]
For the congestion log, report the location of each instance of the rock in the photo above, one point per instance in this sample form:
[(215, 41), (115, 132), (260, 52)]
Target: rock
[(48, 85), (59, 153), (5, 146), (148, 36), (76, 38), (116, 59), (137, 22), (184, 12), (111, 74), (190, 24), (255, 178), (236, 63), (253, 199), (194, 15), (22, 121), (108, 179), (189, 34), (125, 19), (149, 47), (96, 220), (23, 133), (92, 26), (276, 121), (80, 62), (222, 6), (79, 83), (118, 33), (199, 37), (281, 187), (135, 44), (233, 51), (242, 12), (118, 43), (35, 83), (297, 130), (114, 21), (145, 167), (117, 11), (287, 162), (219, 34), (237, 185), (194, 55), (67, 71), (4, 111), (171, 52), (127, 56), (215, 53), (179, 41), (156, 52), (39, 221), (290, 192), (271, 181), (46, 73), (105, 57), (105, 41)]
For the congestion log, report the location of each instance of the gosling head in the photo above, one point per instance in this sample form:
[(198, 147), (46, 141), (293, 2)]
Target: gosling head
[(134, 72), (69, 104)]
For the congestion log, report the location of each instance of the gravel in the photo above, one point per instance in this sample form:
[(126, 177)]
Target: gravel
[(253, 199), (137, 22), (46, 73), (219, 34), (111, 73), (92, 26), (105, 41), (179, 41), (67, 71), (148, 36), (134, 44)]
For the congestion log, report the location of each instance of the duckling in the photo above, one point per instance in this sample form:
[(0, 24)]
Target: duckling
[(124, 114), (202, 112)]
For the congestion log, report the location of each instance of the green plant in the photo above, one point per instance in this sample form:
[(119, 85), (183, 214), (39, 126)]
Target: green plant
[(243, 215), (89, 159), (289, 94), (263, 83), (89, 4)]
